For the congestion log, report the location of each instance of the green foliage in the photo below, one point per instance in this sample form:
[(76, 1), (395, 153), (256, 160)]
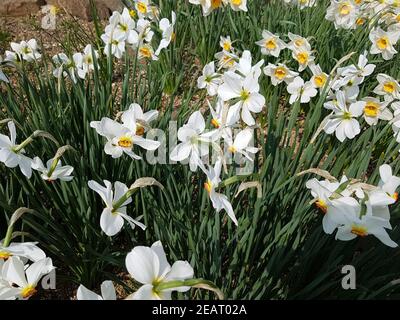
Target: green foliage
[(278, 250)]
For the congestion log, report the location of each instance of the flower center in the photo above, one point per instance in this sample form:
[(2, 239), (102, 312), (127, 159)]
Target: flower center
[(347, 116), (125, 142), (321, 205), (382, 43), (302, 57), (389, 87), (215, 3), (5, 255), (345, 9), (215, 123), (132, 13), (395, 196), (299, 42), (280, 73), (244, 95), (142, 7), (227, 46), (232, 149), (28, 291), (371, 109), (360, 231), (139, 129), (26, 50), (270, 44), (145, 52), (123, 27), (360, 21), (320, 80), (208, 186), (237, 2)]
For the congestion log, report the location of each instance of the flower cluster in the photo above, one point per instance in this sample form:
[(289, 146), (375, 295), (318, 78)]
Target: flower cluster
[(356, 209), (209, 6), (22, 265), (384, 16), (13, 155), (124, 31)]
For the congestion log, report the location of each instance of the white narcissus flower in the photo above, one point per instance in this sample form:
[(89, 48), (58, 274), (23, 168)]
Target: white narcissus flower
[(143, 27), (358, 73), (279, 73), (11, 154), (167, 29), (300, 90), (210, 79), (271, 44), (194, 142), (114, 44), (68, 67), (52, 171), (387, 87), (122, 137), (146, 51), (143, 8), (238, 5), (306, 3), (143, 119), (219, 200), (303, 56), (383, 42), (357, 226), (28, 250), (375, 110), (247, 91), (123, 25), (112, 218), (334, 210), (342, 122), (245, 67), (226, 43), (388, 183), (343, 13), (107, 292), (88, 59), (241, 144), (319, 77), (150, 267), (26, 50), (226, 60), (378, 202), (24, 280), (298, 42), (205, 6)]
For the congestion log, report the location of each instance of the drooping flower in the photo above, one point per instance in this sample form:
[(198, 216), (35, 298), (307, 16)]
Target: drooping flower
[(53, 170), (113, 217), (12, 155), (168, 34)]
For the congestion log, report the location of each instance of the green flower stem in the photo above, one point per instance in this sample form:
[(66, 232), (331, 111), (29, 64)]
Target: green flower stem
[(194, 283), (24, 144), (232, 180), (8, 237), (124, 198)]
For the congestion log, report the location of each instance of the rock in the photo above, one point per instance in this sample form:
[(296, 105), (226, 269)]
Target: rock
[(16, 8), (82, 8)]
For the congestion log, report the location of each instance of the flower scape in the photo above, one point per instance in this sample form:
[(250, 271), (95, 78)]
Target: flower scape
[(201, 149)]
